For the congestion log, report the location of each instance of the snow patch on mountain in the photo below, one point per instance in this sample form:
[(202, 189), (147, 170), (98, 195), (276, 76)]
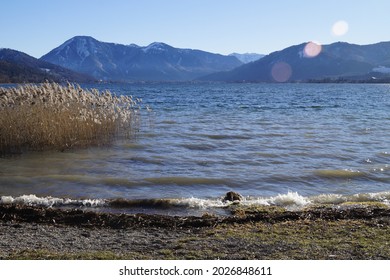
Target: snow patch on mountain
[(82, 48), (247, 57), (382, 69), (155, 47)]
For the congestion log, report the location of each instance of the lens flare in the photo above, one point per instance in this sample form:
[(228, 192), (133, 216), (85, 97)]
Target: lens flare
[(312, 49), (340, 28), (281, 72)]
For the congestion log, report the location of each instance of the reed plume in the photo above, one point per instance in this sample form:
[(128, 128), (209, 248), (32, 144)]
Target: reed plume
[(51, 116)]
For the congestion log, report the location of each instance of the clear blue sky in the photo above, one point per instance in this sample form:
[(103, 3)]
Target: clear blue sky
[(219, 26)]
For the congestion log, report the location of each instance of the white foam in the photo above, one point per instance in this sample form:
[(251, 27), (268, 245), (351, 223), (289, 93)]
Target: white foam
[(290, 201), (376, 197), (329, 199), (383, 197), (6, 200), (33, 200), (295, 201)]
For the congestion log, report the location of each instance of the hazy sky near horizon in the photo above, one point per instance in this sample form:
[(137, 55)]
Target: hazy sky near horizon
[(219, 26)]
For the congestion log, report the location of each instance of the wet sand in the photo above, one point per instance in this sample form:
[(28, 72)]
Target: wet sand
[(344, 232)]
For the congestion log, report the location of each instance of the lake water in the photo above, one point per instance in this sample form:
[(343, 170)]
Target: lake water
[(275, 144)]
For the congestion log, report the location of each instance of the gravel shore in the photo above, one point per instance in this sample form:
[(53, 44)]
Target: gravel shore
[(326, 233), (59, 241)]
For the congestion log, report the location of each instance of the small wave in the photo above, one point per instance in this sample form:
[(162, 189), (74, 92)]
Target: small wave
[(33, 200), (295, 201), (133, 146), (85, 179), (169, 122), (163, 203), (266, 155), (199, 147), (339, 174), (225, 136), (289, 201), (382, 197), (167, 203), (329, 199), (186, 181), (115, 181), (142, 203), (8, 180), (147, 160)]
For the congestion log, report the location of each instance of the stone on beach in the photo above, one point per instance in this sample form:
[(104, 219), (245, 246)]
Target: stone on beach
[(232, 196)]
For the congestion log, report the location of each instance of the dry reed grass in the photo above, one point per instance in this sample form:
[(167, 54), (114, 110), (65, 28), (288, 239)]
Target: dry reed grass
[(51, 116)]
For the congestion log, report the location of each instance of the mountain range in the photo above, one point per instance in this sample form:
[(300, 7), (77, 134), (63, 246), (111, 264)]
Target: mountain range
[(85, 59), (310, 61), (155, 62)]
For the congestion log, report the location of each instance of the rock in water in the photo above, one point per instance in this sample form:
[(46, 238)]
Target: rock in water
[(232, 196)]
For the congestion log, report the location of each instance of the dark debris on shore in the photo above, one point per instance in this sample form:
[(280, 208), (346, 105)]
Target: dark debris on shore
[(90, 219)]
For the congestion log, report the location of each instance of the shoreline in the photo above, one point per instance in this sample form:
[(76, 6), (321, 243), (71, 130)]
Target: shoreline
[(345, 232)]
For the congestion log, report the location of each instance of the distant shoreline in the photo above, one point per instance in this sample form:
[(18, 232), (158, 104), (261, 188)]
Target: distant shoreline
[(198, 82)]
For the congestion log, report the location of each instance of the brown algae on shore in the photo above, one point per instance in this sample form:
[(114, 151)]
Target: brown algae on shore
[(51, 116), (326, 232)]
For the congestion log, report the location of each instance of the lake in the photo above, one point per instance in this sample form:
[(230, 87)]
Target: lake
[(290, 145)]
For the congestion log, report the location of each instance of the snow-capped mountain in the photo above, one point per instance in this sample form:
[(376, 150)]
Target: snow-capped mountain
[(247, 57), (155, 62)]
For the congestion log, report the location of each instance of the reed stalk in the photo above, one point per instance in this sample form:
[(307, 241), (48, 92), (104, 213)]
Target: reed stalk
[(51, 116)]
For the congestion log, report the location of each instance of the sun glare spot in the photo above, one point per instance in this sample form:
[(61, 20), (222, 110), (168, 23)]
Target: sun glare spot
[(340, 28), (281, 72), (312, 49)]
